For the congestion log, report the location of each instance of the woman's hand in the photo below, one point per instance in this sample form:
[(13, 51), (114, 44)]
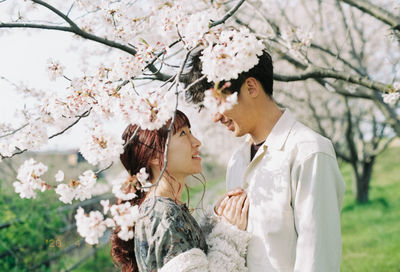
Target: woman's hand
[(235, 210), (234, 192)]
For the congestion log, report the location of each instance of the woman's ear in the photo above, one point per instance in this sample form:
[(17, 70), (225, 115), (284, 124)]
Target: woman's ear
[(154, 162), (253, 87)]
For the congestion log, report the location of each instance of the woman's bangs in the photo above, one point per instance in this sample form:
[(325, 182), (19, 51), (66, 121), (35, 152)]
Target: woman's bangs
[(181, 121)]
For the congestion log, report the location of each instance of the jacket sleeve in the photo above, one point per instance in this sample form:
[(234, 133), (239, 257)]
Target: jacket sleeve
[(227, 247), (317, 207)]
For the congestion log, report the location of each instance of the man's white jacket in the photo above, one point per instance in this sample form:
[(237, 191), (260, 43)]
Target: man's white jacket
[(296, 191)]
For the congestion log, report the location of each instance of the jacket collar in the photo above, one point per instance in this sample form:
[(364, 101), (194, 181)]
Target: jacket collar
[(280, 132), (278, 135)]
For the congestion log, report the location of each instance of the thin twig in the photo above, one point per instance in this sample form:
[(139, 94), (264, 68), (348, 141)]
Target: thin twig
[(98, 172), (85, 114), (227, 15), (14, 131), (375, 11), (59, 13), (194, 83)]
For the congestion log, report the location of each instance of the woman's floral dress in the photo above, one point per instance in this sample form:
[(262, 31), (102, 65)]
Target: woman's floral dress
[(164, 231)]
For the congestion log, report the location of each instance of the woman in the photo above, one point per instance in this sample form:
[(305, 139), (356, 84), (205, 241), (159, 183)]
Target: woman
[(166, 236)]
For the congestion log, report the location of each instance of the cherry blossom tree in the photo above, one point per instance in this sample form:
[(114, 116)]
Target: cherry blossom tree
[(148, 43)]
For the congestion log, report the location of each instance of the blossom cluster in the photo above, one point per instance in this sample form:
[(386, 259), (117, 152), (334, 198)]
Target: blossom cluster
[(32, 135), (29, 179), (216, 100), (126, 188), (124, 215), (229, 54), (394, 96), (101, 147), (77, 189), (54, 69), (150, 109), (91, 226)]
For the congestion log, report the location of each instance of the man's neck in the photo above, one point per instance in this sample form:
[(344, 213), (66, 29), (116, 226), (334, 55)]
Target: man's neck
[(268, 116)]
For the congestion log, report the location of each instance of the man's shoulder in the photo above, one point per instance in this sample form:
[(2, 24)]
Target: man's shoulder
[(308, 141)]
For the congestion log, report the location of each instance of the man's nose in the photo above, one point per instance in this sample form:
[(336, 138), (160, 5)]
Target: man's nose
[(217, 117)]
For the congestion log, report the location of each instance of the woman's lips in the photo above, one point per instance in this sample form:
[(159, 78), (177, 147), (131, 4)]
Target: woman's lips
[(196, 156)]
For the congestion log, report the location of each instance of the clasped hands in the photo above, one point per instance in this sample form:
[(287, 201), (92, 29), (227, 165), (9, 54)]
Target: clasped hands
[(234, 207)]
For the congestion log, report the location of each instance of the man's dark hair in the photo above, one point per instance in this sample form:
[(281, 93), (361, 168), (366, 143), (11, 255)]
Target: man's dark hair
[(262, 71)]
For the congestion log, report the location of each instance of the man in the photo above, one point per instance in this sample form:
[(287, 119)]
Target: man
[(290, 174)]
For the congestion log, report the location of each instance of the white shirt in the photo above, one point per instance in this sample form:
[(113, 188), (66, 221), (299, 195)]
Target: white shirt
[(296, 191)]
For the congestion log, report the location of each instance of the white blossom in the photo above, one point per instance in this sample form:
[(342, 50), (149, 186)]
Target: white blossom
[(235, 51), (106, 205), (150, 109), (28, 179), (125, 215), (305, 37), (215, 101), (77, 189), (59, 176), (91, 227), (54, 69), (64, 108), (142, 177), (101, 147), (6, 147), (193, 27), (127, 67), (396, 86), (66, 192), (34, 135), (391, 98), (121, 188)]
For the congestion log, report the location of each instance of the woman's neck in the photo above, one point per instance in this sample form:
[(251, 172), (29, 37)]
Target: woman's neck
[(168, 187)]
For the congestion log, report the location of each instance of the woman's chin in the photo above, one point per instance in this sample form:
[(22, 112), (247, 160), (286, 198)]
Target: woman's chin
[(197, 171)]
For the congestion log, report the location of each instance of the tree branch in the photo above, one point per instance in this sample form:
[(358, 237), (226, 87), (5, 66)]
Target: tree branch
[(85, 114), (376, 11), (76, 30), (39, 26), (326, 73)]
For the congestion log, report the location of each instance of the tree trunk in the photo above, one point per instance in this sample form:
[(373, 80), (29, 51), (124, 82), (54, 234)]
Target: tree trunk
[(363, 172)]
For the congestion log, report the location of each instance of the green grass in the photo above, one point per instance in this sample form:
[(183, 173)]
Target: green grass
[(371, 232)]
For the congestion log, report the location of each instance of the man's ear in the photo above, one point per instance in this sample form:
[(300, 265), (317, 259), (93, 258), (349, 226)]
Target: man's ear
[(253, 87)]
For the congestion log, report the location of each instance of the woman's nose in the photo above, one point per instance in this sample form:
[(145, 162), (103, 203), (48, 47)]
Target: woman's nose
[(195, 142)]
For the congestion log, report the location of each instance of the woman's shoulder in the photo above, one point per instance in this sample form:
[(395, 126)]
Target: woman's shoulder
[(161, 208)]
